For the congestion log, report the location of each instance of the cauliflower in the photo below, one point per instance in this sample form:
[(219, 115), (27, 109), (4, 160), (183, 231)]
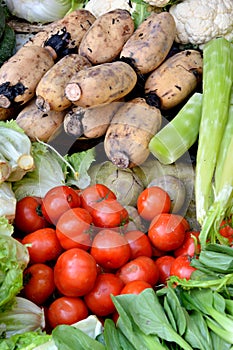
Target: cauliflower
[(97, 7), (199, 21)]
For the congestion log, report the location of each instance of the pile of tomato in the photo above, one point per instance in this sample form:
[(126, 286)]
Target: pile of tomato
[(83, 249)]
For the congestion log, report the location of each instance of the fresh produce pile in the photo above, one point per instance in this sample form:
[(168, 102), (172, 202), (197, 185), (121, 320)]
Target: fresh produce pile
[(116, 186)]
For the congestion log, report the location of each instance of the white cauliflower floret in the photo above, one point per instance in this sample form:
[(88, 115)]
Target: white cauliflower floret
[(98, 7), (197, 21)]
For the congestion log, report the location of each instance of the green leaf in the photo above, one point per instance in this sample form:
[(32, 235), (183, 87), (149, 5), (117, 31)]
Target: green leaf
[(197, 333), (219, 343), (71, 338), (81, 163), (149, 315), (130, 329), (111, 336), (14, 258), (176, 309), (220, 248), (5, 227), (217, 261)]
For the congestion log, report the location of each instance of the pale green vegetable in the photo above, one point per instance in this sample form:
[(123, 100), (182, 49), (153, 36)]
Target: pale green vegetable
[(52, 169), (15, 151), (42, 11), (24, 316), (217, 85), (176, 137), (7, 201), (14, 257)]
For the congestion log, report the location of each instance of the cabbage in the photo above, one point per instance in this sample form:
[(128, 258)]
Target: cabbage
[(52, 169), (14, 258), (42, 11)]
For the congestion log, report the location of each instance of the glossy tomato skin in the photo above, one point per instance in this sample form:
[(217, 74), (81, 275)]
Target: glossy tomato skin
[(28, 215), (94, 194), (181, 267), (163, 264), (139, 244), (57, 200), (38, 283), (142, 268), (73, 229), (135, 287), (109, 214), (66, 310), (99, 299), (166, 232), (110, 249), (190, 246), (153, 201), (75, 272), (43, 246)]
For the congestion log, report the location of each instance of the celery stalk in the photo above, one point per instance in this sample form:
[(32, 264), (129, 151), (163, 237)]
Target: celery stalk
[(227, 138), (223, 200), (217, 84), (175, 138), (223, 184)]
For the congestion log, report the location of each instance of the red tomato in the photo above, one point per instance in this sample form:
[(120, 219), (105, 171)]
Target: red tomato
[(28, 215), (94, 194), (109, 213), (99, 299), (110, 249), (43, 245), (38, 283), (74, 229), (141, 268), (190, 246), (166, 232), (139, 244), (57, 201), (181, 267), (184, 222), (153, 201), (163, 264), (135, 287), (75, 272), (66, 310), (226, 230)]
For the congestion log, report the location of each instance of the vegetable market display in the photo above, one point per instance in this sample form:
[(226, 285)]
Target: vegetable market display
[(116, 186)]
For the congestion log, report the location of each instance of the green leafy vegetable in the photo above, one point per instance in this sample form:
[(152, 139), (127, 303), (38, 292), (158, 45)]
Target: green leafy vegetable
[(81, 162), (141, 12), (15, 149), (23, 316), (14, 257), (71, 338), (5, 227), (197, 333), (51, 169), (210, 304), (25, 341), (149, 316), (7, 202)]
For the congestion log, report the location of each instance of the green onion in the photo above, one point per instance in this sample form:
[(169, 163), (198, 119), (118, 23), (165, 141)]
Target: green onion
[(176, 137), (217, 84)]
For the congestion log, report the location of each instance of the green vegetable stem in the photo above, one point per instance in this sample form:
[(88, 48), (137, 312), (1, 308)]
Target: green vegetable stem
[(217, 86), (175, 138)]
